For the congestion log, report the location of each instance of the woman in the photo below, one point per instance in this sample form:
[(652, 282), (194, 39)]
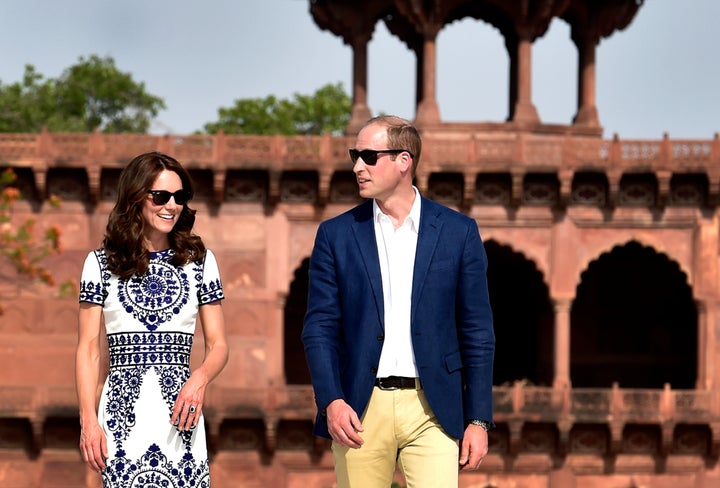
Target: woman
[(147, 284)]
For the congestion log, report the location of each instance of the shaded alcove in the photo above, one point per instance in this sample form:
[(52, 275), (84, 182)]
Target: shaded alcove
[(634, 322), (296, 370), (522, 317)]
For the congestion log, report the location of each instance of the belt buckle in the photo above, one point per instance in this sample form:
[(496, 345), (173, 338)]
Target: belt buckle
[(385, 388)]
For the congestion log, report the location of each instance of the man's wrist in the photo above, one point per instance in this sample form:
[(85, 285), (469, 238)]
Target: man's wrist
[(480, 423)]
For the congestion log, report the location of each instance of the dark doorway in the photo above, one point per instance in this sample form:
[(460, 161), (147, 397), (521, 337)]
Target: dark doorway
[(633, 322), (522, 316), (296, 370)]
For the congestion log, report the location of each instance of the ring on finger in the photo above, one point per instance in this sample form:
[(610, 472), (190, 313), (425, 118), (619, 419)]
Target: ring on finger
[(192, 409)]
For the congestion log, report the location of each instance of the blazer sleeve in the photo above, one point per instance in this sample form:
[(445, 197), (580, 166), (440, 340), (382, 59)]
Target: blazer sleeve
[(321, 329), (475, 328)]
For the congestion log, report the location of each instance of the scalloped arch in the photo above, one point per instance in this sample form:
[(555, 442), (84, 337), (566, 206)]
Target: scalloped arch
[(647, 241), (527, 254)]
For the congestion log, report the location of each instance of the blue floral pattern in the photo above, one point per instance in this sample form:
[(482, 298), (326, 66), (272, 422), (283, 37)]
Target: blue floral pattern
[(157, 296), (154, 470), (150, 324)]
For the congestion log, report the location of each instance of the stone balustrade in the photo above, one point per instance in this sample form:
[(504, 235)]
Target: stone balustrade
[(516, 406), (459, 163)]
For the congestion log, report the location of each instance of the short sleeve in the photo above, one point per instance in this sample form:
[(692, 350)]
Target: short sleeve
[(211, 286), (92, 286)]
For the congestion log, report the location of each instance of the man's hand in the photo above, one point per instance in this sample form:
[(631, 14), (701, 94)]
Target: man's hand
[(473, 448), (344, 424)]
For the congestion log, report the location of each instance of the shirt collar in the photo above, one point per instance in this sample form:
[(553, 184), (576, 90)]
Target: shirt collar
[(413, 216)]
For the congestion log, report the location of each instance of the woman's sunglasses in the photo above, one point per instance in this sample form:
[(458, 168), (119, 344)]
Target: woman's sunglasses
[(161, 197), (370, 156)]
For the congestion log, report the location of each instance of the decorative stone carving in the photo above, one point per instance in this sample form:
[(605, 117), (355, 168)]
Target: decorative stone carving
[(246, 186), (299, 187)]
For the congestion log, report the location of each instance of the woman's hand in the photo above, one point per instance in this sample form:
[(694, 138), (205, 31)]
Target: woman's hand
[(93, 446), (189, 403), (190, 400)]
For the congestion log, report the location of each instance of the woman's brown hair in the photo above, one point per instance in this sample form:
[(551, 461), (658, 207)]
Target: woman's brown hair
[(124, 241)]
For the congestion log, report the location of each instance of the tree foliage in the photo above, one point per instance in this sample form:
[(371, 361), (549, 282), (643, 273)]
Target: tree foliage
[(92, 94), (27, 105), (20, 244), (326, 111)]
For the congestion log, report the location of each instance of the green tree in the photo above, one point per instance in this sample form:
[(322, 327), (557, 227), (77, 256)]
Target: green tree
[(327, 110), (28, 104), (92, 94)]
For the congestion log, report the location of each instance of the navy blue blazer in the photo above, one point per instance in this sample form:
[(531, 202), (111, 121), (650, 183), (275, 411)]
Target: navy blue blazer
[(451, 320)]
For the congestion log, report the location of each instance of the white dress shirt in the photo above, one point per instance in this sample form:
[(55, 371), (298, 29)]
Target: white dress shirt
[(396, 250)]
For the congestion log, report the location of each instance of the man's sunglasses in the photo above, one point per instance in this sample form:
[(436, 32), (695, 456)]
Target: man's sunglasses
[(370, 156), (161, 197)]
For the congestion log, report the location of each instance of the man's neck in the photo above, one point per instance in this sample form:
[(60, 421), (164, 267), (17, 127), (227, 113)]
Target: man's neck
[(398, 206)]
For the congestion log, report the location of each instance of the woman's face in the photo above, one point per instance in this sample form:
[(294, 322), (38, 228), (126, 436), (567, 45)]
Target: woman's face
[(160, 219)]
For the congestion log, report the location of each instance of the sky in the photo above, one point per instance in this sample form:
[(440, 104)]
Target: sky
[(659, 75)]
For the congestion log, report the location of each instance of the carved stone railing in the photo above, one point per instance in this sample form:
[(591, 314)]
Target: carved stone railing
[(515, 406), (615, 407), (36, 404), (599, 405), (465, 155), (449, 150)]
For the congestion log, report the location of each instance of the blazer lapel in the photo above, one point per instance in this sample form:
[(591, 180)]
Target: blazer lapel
[(364, 230), (428, 235)]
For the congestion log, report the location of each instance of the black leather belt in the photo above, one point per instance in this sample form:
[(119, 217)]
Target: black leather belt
[(398, 383)]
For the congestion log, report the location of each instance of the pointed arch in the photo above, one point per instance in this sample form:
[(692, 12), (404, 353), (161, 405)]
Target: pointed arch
[(296, 369), (634, 321), (657, 241), (522, 315)]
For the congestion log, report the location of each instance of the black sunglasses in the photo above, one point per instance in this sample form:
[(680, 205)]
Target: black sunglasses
[(370, 156), (161, 197)]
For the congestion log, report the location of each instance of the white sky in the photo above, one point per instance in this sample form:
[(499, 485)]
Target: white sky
[(661, 74)]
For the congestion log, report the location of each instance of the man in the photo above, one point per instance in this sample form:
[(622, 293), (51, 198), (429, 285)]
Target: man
[(398, 332)]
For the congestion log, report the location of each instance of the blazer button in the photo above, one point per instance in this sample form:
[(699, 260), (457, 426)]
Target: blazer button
[(380, 337), (373, 370)]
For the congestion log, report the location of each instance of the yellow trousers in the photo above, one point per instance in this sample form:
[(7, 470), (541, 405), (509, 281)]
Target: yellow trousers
[(399, 426)]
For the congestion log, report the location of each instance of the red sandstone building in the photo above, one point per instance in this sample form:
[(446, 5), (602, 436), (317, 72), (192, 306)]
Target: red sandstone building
[(603, 273)]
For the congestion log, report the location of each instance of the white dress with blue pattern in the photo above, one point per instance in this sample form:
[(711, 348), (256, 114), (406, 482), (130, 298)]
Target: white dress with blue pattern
[(150, 323)]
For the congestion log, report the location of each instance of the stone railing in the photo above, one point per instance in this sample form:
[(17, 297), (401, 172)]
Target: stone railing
[(465, 157), (606, 405), (447, 151), (514, 406)]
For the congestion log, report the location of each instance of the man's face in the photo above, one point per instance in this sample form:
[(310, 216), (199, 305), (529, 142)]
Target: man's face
[(377, 181)]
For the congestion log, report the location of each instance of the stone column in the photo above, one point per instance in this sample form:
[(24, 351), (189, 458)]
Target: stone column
[(562, 342), (523, 111), (706, 348), (427, 110), (707, 300), (587, 114), (360, 111)]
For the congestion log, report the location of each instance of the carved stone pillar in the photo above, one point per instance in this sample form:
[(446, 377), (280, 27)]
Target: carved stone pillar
[(562, 343), (360, 110), (522, 110), (590, 22), (355, 23), (418, 23), (706, 348), (219, 176), (428, 112), (587, 113)]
